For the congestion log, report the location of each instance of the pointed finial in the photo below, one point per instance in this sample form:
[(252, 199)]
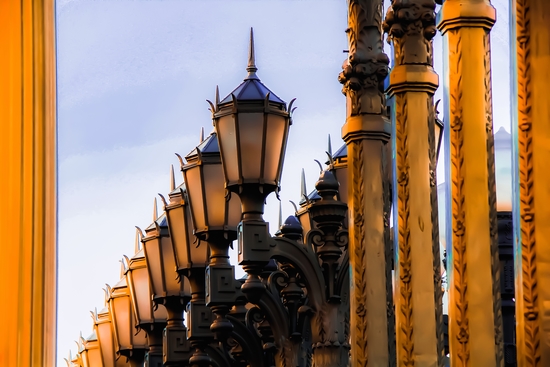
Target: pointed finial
[(202, 135), (217, 96), (251, 68), (329, 146), (155, 210), (303, 191), (122, 269), (172, 178)]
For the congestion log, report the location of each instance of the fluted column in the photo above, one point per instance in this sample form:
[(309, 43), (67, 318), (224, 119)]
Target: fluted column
[(367, 133), (475, 318), (530, 47), (413, 81), (28, 183)]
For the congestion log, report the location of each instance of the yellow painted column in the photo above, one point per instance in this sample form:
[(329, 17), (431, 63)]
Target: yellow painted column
[(367, 134), (27, 183), (413, 82), (530, 49), (475, 317)]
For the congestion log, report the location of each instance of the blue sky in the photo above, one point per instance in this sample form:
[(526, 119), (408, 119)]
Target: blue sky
[(133, 77)]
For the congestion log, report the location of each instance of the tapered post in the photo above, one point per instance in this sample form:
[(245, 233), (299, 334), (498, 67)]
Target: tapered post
[(475, 317), (413, 81), (530, 47), (367, 133), (28, 184)]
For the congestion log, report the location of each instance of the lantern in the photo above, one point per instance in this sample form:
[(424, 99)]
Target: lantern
[(252, 126), (212, 208), (129, 340), (161, 263), (188, 251)]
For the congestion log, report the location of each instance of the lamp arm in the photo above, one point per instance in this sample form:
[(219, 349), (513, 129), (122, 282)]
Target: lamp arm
[(250, 343), (307, 263)]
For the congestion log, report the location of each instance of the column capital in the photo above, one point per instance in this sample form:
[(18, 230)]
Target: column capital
[(466, 13)]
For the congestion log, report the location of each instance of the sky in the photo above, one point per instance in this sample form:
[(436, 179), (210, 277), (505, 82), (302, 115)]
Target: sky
[(133, 77)]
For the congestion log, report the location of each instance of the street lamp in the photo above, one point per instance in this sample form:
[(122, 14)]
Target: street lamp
[(167, 288), (151, 320), (90, 353), (252, 126), (215, 213), (129, 340)]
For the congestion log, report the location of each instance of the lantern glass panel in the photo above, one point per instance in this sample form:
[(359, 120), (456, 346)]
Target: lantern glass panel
[(251, 140), (235, 211), (120, 310), (274, 150), (141, 294), (195, 193), (227, 138), (305, 221), (154, 265), (173, 287), (179, 226), (214, 195)]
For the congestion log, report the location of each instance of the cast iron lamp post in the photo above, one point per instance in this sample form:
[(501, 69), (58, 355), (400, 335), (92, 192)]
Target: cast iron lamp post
[(252, 162), (130, 341), (151, 319), (215, 214), (191, 259), (167, 289)]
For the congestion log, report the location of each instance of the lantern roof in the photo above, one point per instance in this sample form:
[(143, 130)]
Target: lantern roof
[(252, 89), (342, 152), (161, 221), (92, 337), (139, 255), (207, 147)]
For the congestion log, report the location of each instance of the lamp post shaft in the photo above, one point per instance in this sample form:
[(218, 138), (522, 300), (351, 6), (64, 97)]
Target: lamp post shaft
[(475, 317), (28, 204), (367, 134), (529, 48), (418, 293)]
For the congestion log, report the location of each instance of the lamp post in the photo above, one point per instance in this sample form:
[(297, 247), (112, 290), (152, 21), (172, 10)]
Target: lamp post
[(215, 214), (151, 319), (252, 163), (167, 288), (129, 340)]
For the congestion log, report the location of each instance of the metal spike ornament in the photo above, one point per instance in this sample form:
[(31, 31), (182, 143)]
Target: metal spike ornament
[(303, 188), (251, 68), (172, 178), (155, 210)]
